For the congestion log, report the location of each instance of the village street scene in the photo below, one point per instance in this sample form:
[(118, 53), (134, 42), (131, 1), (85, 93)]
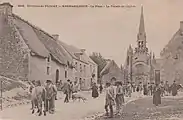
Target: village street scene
[(51, 71)]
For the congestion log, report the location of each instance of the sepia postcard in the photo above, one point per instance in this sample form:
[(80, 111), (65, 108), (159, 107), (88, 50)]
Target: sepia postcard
[(91, 60)]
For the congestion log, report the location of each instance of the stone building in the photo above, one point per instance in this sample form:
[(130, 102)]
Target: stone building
[(85, 70), (172, 57), (29, 53), (140, 63), (111, 70)]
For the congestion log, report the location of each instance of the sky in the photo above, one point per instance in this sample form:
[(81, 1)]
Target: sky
[(106, 30)]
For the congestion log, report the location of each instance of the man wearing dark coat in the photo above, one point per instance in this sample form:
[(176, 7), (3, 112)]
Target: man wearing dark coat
[(95, 91), (157, 95), (50, 96), (174, 88)]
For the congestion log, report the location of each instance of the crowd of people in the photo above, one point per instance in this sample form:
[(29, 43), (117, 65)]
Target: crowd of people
[(115, 93), (43, 96)]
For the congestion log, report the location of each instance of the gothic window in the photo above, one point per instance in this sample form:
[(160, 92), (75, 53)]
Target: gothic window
[(48, 70), (142, 44), (128, 60)]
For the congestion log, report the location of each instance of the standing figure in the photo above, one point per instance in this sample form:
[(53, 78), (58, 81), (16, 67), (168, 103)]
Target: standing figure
[(162, 88), (140, 88), (95, 91), (75, 87), (55, 87), (174, 88), (157, 95), (166, 88), (119, 97), (33, 101), (110, 99), (145, 89), (71, 90), (101, 88), (133, 86), (129, 89), (50, 98), (39, 95), (66, 90)]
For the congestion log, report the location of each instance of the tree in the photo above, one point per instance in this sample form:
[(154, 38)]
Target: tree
[(99, 60)]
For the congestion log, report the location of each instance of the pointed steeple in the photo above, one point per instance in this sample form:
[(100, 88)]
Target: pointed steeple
[(142, 33), (142, 26), (130, 50)]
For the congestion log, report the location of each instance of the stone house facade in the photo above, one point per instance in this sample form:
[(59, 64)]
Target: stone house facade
[(85, 70), (172, 57), (29, 53), (111, 70)]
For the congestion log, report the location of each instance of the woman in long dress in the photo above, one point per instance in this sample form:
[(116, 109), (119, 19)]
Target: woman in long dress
[(174, 89), (157, 95), (95, 93)]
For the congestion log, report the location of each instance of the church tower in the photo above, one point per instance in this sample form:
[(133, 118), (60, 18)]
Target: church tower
[(138, 67), (141, 36)]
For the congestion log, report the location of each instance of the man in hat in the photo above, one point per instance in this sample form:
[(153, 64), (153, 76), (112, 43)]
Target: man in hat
[(39, 95), (50, 96), (110, 99), (66, 90)]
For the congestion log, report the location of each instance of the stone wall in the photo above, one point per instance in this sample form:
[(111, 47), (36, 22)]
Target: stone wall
[(13, 51)]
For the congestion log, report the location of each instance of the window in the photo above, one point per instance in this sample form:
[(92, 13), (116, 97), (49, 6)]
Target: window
[(80, 68), (76, 66), (65, 74), (48, 70), (84, 69), (48, 59)]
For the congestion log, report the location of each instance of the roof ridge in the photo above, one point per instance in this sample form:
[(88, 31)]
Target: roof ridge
[(34, 26)]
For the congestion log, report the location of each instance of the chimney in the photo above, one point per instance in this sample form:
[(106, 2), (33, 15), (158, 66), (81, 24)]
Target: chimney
[(6, 8), (83, 50), (181, 26), (55, 36)]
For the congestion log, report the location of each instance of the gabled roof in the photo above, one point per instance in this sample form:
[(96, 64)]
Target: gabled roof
[(39, 41), (74, 52), (110, 64), (30, 37)]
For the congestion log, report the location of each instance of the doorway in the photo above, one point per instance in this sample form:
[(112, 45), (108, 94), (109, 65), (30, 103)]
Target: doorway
[(57, 76)]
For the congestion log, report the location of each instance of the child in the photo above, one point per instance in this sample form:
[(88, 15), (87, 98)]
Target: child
[(119, 97), (109, 100)]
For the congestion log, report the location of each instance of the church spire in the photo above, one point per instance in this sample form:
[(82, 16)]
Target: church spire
[(142, 33), (142, 26)]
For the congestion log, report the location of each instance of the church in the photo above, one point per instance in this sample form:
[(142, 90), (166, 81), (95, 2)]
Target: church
[(140, 63)]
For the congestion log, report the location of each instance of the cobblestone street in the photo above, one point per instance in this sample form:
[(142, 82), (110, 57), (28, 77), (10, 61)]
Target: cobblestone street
[(143, 109), (92, 107)]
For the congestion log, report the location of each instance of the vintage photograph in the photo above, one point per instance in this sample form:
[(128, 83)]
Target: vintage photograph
[(91, 60)]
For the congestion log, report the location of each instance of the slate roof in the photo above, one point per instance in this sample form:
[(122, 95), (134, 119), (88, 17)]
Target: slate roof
[(73, 50), (39, 41), (110, 64)]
